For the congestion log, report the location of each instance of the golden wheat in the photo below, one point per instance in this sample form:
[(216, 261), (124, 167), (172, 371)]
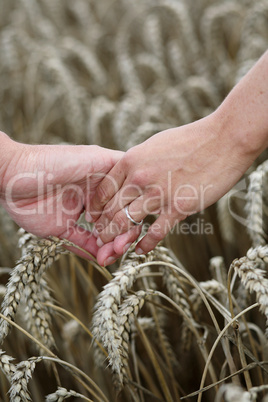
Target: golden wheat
[(113, 74)]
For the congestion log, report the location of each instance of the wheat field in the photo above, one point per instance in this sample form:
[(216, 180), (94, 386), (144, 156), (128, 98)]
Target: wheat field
[(188, 321)]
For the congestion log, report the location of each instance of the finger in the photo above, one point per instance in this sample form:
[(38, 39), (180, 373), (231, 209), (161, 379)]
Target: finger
[(157, 232), (122, 242), (83, 239), (149, 200), (107, 188), (86, 241), (106, 255), (127, 194), (121, 223)]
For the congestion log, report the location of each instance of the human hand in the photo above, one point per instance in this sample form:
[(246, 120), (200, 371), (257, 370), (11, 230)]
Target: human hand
[(45, 189), (175, 173)]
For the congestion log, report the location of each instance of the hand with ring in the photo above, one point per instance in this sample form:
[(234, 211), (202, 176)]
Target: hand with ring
[(183, 170), (130, 218)]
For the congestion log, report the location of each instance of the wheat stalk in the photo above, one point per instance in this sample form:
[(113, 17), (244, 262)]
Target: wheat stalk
[(211, 286), (225, 218)]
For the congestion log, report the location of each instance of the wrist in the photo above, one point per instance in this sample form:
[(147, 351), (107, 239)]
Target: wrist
[(248, 141)]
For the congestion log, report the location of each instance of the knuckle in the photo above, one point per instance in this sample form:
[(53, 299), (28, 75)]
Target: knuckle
[(100, 227), (120, 220), (130, 157), (154, 192), (109, 212), (138, 178), (131, 163), (184, 206), (156, 234), (102, 195)]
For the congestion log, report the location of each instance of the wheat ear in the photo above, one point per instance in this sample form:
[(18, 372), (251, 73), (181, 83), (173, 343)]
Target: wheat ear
[(25, 282), (105, 326), (250, 270), (233, 393), (19, 389), (6, 365), (254, 205), (127, 314), (63, 393)]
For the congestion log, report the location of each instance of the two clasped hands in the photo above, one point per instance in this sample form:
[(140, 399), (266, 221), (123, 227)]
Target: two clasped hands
[(173, 174)]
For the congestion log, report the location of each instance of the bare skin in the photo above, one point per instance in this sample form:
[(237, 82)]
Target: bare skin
[(183, 170), (46, 188), (173, 174)]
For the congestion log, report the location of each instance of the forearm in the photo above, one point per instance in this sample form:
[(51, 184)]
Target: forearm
[(243, 114)]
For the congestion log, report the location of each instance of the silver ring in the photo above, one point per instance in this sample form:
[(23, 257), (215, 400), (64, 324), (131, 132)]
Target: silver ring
[(129, 217)]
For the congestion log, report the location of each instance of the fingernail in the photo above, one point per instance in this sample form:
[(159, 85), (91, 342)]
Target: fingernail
[(139, 251), (95, 232), (88, 217), (109, 261), (99, 242), (126, 247)]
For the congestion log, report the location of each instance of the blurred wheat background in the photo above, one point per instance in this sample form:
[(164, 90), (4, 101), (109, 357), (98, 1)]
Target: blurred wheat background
[(186, 316)]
